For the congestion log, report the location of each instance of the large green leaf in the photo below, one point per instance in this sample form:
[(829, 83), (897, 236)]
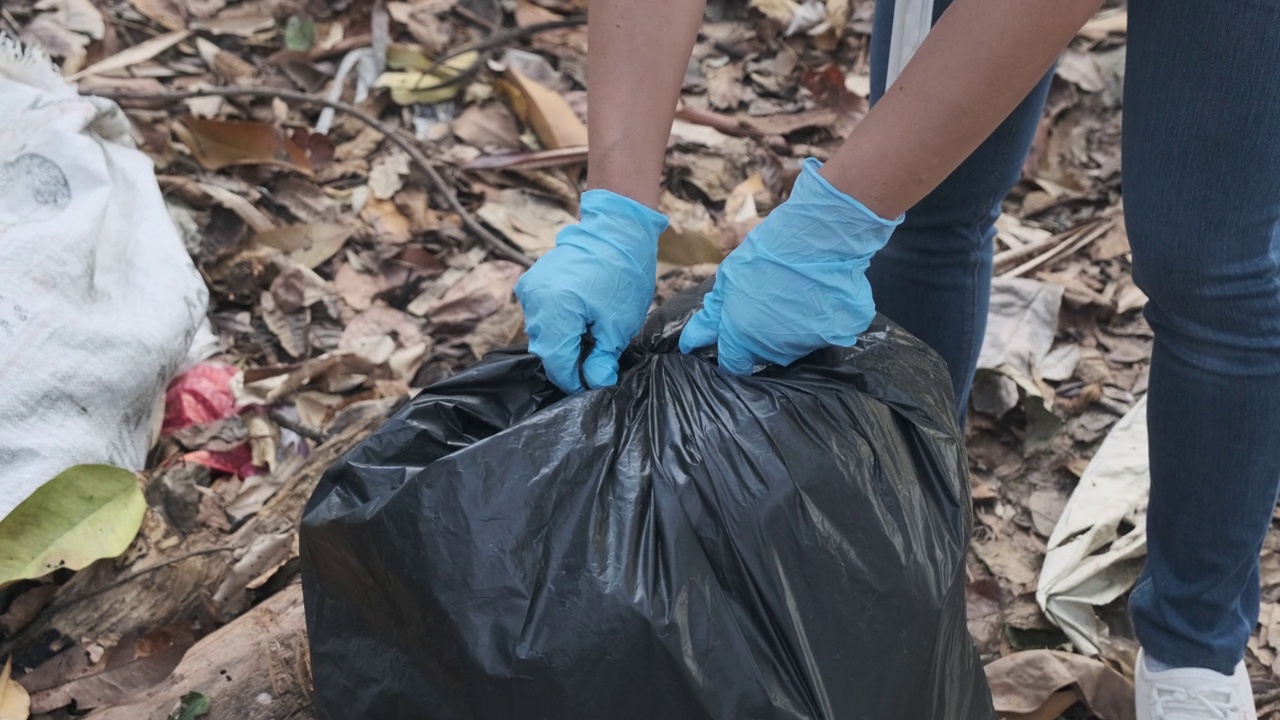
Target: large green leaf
[(86, 513)]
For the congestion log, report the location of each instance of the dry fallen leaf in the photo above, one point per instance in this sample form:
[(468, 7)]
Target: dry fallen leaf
[(291, 329), (308, 245), (388, 172), (497, 331), (1081, 69), (386, 220), (724, 86), (169, 14), (217, 144), (357, 288), (543, 109), (489, 127), (107, 678), (780, 11), (1024, 682), (224, 64), (15, 703), (478, 295), (379, 323), (692, 237), (525, 219)]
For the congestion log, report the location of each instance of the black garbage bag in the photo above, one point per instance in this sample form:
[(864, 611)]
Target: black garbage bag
[(684, 546)]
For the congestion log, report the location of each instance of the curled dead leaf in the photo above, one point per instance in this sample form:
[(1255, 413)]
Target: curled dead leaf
[(547, 112), (217, 144)]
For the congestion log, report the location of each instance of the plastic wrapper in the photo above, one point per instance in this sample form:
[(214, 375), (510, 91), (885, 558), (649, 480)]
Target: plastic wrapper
[(685, 545)]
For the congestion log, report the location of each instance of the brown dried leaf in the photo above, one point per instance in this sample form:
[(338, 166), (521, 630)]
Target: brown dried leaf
[(1129, 297), (79, 16), (116, 676), (414, 204), (264, 439), (359, 147), (51, 35), (217, 144), (544, 110), (381, 322), (489, 127), (386, 220), (1114, 22), (306, 200), (478, 295), (828, 87), (296, 287), (243, 20), (724, 86), (1046, 506), (527, 220), (982, 608), (1023, 683), (308, 245), (497, 331), (424, 24), (780, 11), (1080, 69), (356, 288), (224, 64), (169, 14), (1012, 558), (265, 385), (290, 328), (28, 605), (388, 172), (692, 237)]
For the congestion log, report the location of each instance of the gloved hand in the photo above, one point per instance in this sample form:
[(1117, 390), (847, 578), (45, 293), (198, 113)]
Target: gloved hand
[(796, 284), (599, 277)]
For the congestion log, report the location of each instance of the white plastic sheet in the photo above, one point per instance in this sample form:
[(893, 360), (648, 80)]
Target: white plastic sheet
[(99, 302), (1090, 561), (912, 20)]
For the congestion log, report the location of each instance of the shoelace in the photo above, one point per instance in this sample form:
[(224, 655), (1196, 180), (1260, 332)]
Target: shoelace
[(1177, 703)]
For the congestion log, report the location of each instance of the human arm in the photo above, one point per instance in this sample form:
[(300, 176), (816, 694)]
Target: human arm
[(600, 276), (798, 281), (979, 61)]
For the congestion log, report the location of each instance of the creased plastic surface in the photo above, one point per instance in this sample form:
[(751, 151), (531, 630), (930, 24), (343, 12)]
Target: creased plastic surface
[(686, 545)]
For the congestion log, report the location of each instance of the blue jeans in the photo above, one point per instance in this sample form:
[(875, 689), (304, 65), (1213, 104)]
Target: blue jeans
[(1201, 145)]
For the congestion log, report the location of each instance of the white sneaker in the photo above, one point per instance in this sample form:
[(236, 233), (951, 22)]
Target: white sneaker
[(1193, 694)]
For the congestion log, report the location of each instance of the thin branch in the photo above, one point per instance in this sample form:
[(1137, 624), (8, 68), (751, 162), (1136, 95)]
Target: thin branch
[(135, 575), (494, 243), (287, 423)]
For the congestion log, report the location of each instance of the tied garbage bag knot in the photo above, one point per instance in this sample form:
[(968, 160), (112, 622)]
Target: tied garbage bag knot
[(686, 544)]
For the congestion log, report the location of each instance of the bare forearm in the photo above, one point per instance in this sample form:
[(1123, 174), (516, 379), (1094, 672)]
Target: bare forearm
[(636, 56), (980, 60)]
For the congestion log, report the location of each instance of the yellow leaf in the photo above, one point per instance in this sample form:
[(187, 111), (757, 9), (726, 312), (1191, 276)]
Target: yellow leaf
[(544, 110), (15, 703), (86, 513), (409, 88), (778, 10)]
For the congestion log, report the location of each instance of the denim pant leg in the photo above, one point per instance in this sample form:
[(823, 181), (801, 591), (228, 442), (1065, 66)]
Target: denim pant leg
[(934, 276), (1202, 204)]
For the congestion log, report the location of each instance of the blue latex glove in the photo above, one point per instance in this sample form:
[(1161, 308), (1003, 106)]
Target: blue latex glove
[(601, 276), (796, 284)]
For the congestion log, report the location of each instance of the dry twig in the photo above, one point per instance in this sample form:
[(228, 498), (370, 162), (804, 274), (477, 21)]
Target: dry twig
[(495, 244)]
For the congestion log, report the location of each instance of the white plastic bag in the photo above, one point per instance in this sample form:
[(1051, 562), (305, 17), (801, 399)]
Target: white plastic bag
[(99, 301)]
